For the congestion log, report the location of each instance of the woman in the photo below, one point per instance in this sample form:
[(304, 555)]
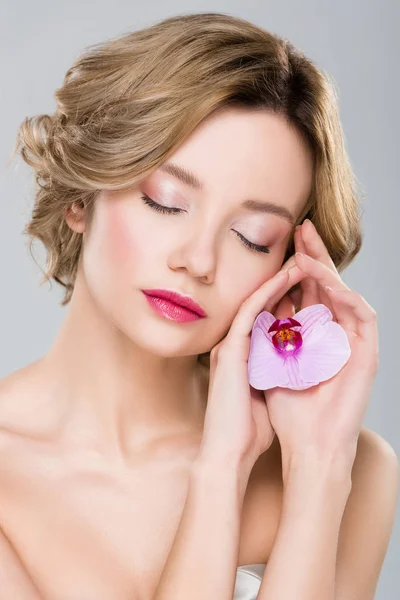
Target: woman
[(138, 463)]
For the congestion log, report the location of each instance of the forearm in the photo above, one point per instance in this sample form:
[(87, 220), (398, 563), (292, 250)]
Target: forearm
[(303, 559), (202, 562)]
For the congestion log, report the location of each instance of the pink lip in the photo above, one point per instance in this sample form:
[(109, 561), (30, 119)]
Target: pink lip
[(174, 306)]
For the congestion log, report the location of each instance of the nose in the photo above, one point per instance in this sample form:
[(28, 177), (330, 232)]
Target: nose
[(197, 254)]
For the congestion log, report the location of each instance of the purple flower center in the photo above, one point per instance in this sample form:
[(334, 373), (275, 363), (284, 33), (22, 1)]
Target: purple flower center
[(286, 340)]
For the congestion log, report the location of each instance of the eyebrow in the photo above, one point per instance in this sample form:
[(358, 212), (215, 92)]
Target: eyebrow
[(190, 179)]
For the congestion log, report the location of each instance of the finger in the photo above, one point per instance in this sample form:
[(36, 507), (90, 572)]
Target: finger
[(347, 303), (296, 275), (264, 298), (322, 274), (309, 287), (315, 247), (289, 263), (366, 315)]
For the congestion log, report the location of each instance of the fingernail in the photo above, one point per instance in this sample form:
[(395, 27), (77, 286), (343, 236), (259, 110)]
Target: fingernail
[(305, 255), (309, 221), (335, 289), (281, 273), (290, 262)]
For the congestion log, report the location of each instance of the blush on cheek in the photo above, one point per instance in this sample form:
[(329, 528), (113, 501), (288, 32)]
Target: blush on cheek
[(120, 232)]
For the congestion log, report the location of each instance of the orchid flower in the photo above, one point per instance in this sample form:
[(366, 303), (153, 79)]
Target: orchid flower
[(296, 353)]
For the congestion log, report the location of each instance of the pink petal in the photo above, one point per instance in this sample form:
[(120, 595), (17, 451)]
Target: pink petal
[(296, 381), (264, 320), (265, 365), (310, 316), (326, 351)]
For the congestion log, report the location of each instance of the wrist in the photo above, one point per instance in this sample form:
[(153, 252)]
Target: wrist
[(311, 465), (225, 459), (221, 471)]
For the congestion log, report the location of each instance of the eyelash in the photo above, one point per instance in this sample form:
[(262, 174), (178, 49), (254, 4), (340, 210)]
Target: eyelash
[(170, 211)]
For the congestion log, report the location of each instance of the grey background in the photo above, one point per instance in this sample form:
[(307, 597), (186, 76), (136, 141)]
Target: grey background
[(355, 41)]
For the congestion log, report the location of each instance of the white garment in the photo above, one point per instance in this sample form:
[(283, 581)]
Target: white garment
[(248, 581)]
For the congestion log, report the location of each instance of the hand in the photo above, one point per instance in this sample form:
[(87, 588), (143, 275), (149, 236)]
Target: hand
[(237, 425), (326, 418)]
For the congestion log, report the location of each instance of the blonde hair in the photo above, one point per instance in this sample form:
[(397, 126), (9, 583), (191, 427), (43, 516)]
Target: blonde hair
[(127, 104)]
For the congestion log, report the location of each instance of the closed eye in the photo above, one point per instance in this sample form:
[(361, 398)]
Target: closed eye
[(168, 210), (159, 207)]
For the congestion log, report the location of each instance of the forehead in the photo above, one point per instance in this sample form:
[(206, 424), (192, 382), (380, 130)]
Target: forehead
[(243, 154)]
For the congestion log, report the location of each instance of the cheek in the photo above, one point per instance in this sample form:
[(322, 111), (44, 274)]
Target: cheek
[(251, 277), (122, 243), (127, 239), (241, 288)]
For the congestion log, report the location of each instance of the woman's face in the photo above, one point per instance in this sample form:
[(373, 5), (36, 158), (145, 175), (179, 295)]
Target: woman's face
[(200, 250)]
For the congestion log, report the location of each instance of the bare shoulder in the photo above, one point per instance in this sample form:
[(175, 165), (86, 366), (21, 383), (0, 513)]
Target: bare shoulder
[(10, 392), (16, 381), (14, 390), (17, 392), (371, 444), (369, 515), (23, 416), (376, 464)]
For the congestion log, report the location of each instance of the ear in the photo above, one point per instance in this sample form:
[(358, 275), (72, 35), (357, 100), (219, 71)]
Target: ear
[(75, 217)]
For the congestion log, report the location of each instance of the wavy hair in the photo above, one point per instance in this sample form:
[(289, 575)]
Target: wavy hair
[(126, 104)]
